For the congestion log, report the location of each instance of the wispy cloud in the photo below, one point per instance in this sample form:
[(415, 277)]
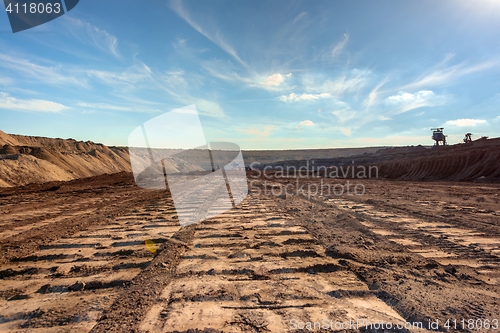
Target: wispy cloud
[(299, 17), (122, 82), (303, 97), (225, 71), (346, 131), (339, 47), (181, 46), (104, 106), (114, 107), (131, 77), (306, 123), (264, 131), (216, 38), (345, 115), (350, 82), (449, 75), (51, 74), (275, 80), (206, 107), (404, 101), (373, 96), (178, 85), (466, 122), (37, 105), (5, 80), (334, 53), (92, 35)]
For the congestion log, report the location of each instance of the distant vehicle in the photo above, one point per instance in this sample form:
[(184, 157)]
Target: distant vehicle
[(468, 138), (438, 136)]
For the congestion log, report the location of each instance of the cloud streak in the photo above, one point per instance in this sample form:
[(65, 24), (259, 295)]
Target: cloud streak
[(265, 132), (466, 122), (46, 74), (215, 38), (349, 82), (293, 97), (92, 35), (449, 75), (306, 123), (132, 76), (114, 107), (404, 101), (37, 105), (275, 80), (339, 48)]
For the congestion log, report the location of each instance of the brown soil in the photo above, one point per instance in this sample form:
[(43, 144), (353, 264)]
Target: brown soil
[(102, 255), (28, 159), (478, 161), (31, 159)]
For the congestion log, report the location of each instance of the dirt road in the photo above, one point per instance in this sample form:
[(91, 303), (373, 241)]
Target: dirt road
[(102, 255)]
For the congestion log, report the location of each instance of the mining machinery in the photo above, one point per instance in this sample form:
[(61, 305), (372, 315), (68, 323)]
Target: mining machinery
[(438, 136)]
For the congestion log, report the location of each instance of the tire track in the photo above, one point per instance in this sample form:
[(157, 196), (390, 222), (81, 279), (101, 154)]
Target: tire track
[(69, 280), (249, 270)]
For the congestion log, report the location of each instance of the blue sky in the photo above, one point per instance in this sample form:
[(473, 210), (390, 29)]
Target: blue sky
[(262, 74)]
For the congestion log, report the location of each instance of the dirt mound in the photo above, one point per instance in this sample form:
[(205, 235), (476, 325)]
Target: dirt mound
[(52, 144), (8, 149), (479, 161), (26, 169), (7, 139), (31, 159), (476, 161), (38, 165)]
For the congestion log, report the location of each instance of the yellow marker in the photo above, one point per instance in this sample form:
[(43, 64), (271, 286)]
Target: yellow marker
[(150, 245)]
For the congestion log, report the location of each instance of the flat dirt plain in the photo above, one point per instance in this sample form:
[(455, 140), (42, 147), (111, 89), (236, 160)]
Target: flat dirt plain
[(102, 255)]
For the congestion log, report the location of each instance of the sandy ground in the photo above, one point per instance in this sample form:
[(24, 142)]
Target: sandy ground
[(101, 255)]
